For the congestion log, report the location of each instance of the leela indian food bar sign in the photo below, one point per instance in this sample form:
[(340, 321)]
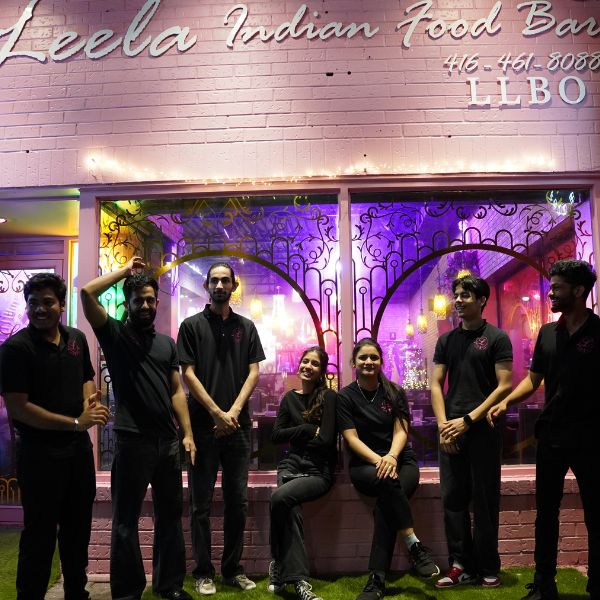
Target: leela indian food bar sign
[(418, 17)]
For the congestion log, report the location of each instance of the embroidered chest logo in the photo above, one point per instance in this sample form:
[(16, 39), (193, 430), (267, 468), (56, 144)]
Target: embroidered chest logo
[(386, 407), (481, 343), (586, 345), (237, 335), (73, 348)]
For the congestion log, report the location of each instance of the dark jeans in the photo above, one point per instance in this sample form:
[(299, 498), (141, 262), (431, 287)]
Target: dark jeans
[(232, 452), (473, 475), (139, 461), (392, 509), (57, 491), (552, 464), (287, 531)]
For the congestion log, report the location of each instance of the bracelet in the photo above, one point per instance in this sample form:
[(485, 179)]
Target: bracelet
[(75, 424), (467, 419), (394, 457)]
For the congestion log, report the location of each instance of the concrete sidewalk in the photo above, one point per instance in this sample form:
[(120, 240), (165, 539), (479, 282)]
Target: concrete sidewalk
[(97, 590)]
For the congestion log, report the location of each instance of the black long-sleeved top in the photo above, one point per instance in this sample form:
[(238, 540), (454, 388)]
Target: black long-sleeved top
[(291, 427)]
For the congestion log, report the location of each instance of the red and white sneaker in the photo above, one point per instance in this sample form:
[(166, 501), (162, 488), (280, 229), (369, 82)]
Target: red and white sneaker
[(455, 576), (490, 581)]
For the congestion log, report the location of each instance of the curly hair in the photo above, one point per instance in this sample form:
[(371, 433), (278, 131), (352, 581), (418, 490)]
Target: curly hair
[(575, 272), (138, 282), (39, 281)]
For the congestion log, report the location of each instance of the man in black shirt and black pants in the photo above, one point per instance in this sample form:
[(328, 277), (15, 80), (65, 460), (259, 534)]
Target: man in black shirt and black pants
[(46, 378), (219, 351), (566, 358), (478, 360), (144, 369)]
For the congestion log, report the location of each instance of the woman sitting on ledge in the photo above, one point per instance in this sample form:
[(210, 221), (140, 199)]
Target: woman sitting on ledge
[(307, 420), (373, 418)]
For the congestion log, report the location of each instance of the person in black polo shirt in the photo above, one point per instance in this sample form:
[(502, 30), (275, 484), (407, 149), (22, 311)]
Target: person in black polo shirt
[(144, 369), (566, 358), (46, 378), (219, 351), (477, 357), (373, 417)]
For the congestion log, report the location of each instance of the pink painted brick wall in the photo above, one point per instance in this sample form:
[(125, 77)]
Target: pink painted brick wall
[(270, 109), (338, 528)]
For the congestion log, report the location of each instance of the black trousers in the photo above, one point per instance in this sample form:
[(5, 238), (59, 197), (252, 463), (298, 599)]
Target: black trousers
[(287, 530), (138, 462), (552, 464), (57, 492), (392, 509), (473, 476), (232, 452)]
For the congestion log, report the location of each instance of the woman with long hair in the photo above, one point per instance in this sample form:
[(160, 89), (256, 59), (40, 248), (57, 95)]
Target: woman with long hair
[(373, 418), (307, 421)]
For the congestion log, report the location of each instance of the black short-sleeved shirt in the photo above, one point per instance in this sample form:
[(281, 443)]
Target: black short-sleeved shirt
[(470, 357), (52, 376), (140, 364), (373, 420), (221, 351), (569, 365), (291, 427)]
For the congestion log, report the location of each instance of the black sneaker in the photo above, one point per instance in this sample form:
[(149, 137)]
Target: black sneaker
[(541, 591), (276, 586), (421, 561), (374, 590), (304, 591)]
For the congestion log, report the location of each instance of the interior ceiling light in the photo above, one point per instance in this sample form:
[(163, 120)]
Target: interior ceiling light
[(3, 220)]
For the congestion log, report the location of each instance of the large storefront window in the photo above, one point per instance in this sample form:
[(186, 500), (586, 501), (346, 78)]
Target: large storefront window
[(284, 252), (409, 246)]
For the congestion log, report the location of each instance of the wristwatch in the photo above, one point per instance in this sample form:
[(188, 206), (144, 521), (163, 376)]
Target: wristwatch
[(467, 419)]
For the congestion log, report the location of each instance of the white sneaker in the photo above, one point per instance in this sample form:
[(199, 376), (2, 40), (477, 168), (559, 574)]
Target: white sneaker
[(206, 586), (240, 581)]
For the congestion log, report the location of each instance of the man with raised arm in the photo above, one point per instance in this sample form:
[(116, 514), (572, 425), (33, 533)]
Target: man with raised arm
[(219, 352), (144, 369), (477, 357), (566, 358), (47, 381)]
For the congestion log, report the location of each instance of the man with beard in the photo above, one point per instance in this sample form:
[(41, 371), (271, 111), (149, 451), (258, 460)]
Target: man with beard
[(46, 378), (566, 358), (144, 369), (477, 357), (219, 351)]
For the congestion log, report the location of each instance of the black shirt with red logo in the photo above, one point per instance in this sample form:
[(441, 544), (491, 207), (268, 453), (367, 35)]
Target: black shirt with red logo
[(221, 351), (372, 417), (569, 365), (141, 364), (470, 357), (52, 377)]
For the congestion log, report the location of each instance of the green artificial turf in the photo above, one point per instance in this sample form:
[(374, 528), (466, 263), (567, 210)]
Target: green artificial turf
[(9, 551), (571, 586)]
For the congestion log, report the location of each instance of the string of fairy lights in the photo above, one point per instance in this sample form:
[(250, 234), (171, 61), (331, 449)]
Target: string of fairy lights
[(100, 166)]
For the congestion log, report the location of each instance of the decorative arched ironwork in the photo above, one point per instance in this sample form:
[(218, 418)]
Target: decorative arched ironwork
[(392, 239)]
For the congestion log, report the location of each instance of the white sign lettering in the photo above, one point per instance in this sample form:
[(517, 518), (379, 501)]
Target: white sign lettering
[(68, 44), (421, 19), (293, 28), (438, 28)]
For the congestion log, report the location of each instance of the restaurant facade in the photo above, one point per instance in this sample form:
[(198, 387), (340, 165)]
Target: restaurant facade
[(349, 159)]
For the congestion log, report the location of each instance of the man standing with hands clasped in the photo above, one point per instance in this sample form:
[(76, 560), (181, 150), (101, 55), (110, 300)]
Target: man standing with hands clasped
[(219, 352), (477, 357), (144, 369), (566, 357), (47, 381)]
